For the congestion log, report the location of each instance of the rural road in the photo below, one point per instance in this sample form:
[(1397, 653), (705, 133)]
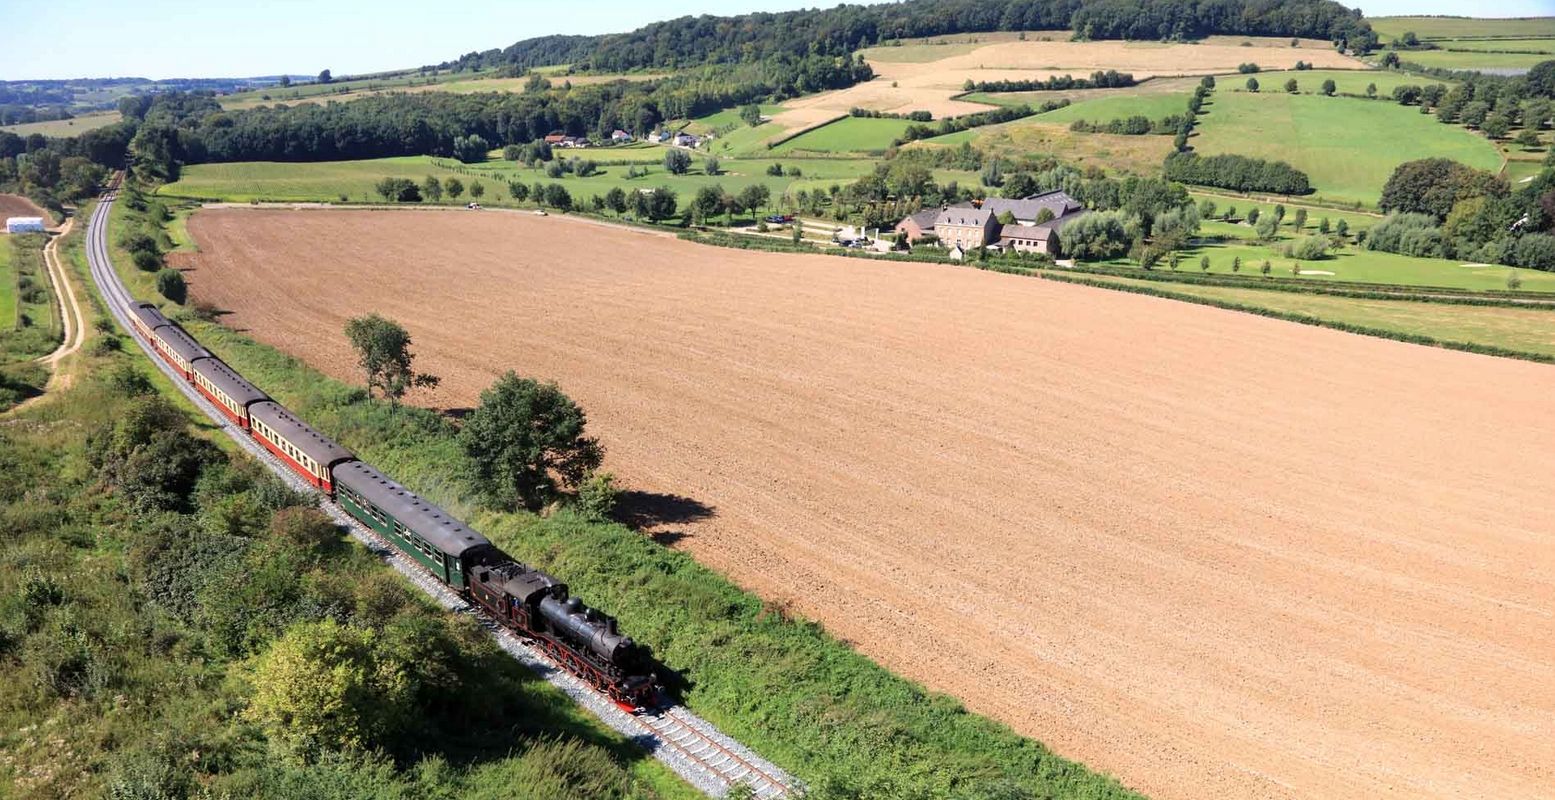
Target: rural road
[(69, 306)]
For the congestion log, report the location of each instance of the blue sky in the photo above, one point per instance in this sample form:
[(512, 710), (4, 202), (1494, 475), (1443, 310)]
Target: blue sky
[(219, 38)]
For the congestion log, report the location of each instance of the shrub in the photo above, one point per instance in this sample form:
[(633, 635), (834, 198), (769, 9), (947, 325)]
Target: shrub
[(1407, 234), (1308, 248), (170, 283), (597, 496), (1099, 235), (147, 260)]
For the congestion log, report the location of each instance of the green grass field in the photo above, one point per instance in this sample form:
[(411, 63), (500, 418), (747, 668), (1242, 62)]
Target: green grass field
[(327, 181), (1458, 27), (1526, 330), (1346, 81), (1499, 45), (1110, 107), (734, 136), (29, 326), (7, 287), (849, 135), (1357, 220), (65, 127), (1461, 60), (1348, 147)]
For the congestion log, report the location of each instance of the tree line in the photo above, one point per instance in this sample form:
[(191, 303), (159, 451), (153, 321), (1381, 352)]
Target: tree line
[(1239, 173), (1439, 208), (839, 31), (1110, 79)]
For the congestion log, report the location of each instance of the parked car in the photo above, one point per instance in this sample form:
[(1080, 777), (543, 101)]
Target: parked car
[(779, 219)]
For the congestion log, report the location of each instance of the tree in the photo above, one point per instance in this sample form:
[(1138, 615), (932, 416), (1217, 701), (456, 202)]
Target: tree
[(557, 196), (1204, 263), (1541, 79), (286, 80), (754, 197), (1329, 87), (1206, 209), (526, 443), (796, 232), (398, 190), (383, 352), (170, 284), (1267, 227), (706, 203), (615, 200), (1371, 91), (751, 114), (1301, 219), (518, 190), (326, 77), (477, 189), (471, 149), (1252, 215), (323, 685), (1279, 212), (677, 161), (1322, 225), (1528, 139), (1434, 185), (432, 189), (710, 166), (1342, 228), (1252, 84), (454, 187), (1291, 86), (1236, 264), (1266, 268), (1513, 280), (1496, 126)]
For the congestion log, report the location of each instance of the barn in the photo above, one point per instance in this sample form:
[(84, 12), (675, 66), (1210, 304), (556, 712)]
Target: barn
[(24, 224)]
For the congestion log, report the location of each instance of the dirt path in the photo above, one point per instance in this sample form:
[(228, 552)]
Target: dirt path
[(1214, 554), (69, 307)]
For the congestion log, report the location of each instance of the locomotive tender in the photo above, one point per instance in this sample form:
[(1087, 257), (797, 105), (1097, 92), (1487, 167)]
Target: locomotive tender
[(530, 602)]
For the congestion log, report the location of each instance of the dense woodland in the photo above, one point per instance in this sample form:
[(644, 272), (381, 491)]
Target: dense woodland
[(841, 30)]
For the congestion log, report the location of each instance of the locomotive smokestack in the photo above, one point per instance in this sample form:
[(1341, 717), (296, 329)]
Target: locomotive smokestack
[(610, 625)]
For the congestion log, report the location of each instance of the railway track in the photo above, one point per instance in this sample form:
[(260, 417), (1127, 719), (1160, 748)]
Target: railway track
[(694, 748)]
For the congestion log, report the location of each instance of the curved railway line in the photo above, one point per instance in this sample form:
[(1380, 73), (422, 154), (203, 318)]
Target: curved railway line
[(691, 746)]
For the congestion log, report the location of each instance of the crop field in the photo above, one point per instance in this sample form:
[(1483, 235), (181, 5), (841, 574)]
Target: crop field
[(1499, 45), (329, 181), (932, 84), (1348, 147), (13, 205), (1457, 27), (1243, 561), (1140, 155), (1526, 330), (850, 135), (65, 127)]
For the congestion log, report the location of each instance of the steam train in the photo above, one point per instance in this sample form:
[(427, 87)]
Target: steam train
[(535, 605)]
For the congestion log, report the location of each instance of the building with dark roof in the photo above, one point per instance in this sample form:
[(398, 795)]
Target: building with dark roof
[(966, 226)]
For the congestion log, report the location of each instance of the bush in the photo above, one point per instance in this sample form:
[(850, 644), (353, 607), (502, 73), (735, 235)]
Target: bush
[(146, 260), (1309, 248), (1407, 234), (170, 283), (597, 496), (1099, 235)]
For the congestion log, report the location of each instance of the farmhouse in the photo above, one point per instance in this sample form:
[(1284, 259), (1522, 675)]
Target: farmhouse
[(619, 136), (24, 225), (918, 224), (967, 227), (1035, 238), (555, 138), (1028, 210)]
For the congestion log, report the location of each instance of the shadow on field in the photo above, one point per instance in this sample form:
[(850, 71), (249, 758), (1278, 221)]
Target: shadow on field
[(648, 510)]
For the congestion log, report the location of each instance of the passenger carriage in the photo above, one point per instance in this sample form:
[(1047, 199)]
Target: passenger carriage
[(178, 348), (304, 449), (146, 319), (227, 389), (429, 535)]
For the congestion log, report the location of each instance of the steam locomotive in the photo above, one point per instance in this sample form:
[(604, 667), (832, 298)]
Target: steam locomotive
[(580, 639)]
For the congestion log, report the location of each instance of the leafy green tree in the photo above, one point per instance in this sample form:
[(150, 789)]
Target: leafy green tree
[(170, 284), (1204, 263), (1266, 268), (615, 200), (1252, 84), (518, 190), (477, 189), (1291, 86), (1236, 264), (1329, 87), (398, 190), (751, 114), (754, 197), (1267, 227), (326, 77), (1496, 126), (454, 187), (148, 454), (1434, 185), (1322, 225), (432, 189), (1342, 227), (471, 149), (677, 161), (526, 443), (710, 166), (1300, 220), (1279, 212), (1528, 139), (557, 196), (1252, 215), (383, 352), (1371, 90)]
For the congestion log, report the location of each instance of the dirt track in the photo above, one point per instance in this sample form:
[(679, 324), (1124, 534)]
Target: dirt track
[(1213, 554)]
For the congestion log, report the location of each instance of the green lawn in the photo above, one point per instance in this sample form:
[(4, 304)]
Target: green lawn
[(848, 135), (1455, 27), (734, 136), (1347, 146), (1501, 45), (65, 127), (1357, 220), (327, 181), (1110, 107), (7, 288), (1527, 330), (1460, 60), (1346, 81)]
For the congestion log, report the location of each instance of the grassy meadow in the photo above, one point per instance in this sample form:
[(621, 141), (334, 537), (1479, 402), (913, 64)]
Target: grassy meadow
[(1522, 330), (1119, 106), (1348, 147), (847, 135), (65, 127), (1346, 81), (1460, 27), (1499, 45), (1474, 61)]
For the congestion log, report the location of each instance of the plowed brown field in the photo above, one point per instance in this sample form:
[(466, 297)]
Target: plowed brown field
[(1214, 554), (14, 205)]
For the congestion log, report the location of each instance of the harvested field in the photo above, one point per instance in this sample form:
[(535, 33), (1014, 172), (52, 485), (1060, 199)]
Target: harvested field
[(1214, 554), (930, 84), (14, 205)]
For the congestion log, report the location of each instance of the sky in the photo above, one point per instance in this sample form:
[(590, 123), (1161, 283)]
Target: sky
[(220, 38)]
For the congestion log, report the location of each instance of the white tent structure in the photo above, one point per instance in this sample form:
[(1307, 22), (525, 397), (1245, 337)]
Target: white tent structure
[(24, 225)]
